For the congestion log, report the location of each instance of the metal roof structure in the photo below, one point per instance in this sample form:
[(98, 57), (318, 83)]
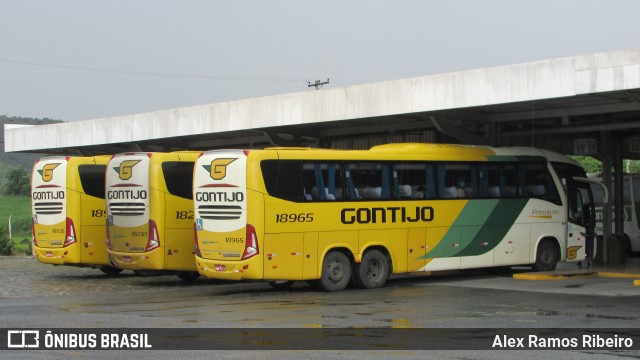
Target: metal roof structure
[(558, 104)]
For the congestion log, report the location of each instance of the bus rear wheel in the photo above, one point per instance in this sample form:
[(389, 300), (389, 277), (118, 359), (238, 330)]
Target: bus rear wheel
[(547, 256), (373, 271), (336, 272), (110, 270)]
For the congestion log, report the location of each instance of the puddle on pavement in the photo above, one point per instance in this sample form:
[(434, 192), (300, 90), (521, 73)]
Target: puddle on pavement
[(588, 316)]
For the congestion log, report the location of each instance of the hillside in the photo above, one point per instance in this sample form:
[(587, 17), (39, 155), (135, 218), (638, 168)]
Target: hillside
[(10, 161)]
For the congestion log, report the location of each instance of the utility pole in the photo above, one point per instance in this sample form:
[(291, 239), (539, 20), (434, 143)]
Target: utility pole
[(318, 84)]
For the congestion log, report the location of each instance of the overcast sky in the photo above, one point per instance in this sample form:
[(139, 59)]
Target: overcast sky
[(89, 59)]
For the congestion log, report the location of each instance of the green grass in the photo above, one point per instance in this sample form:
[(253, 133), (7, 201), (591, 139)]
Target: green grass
[(19, 208)]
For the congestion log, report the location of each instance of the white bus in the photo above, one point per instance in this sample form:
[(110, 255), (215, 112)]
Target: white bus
[(630, 211)]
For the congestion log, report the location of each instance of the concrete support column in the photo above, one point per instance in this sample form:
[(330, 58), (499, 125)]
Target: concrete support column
[(607, 162)]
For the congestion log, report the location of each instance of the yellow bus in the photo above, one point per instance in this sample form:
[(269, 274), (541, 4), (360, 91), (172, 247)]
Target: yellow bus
[(68, 211), (355, 216), (150, 212)]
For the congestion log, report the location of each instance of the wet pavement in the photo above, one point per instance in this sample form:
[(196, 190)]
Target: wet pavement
[(43, 296), (24, 277)]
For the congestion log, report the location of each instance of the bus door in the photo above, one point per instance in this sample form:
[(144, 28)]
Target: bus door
[(581, 217), (178, 213), (92, 211), (581, 214)]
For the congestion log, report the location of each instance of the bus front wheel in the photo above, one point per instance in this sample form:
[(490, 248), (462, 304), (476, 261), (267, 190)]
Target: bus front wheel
[(373, 271), (336, 271), (547, 256)]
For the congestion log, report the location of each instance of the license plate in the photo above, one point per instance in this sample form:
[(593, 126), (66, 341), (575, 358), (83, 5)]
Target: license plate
[(126, 259), (221, 268), (49, 254)]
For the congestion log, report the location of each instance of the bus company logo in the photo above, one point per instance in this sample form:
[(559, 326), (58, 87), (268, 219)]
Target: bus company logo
[(572, 252), (125, 170), (47, 171), (23, 339), (218, 168)]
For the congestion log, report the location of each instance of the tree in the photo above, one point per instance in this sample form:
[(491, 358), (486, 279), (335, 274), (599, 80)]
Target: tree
[(16, 182), (590, 165)]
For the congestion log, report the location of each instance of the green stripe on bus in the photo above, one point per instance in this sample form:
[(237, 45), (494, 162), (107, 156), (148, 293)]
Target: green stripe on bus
[(479, 228), (502, 218), (474, 213)]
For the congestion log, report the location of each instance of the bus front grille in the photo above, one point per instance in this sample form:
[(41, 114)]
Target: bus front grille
[(48, 208), (126, 209), (220, 212)]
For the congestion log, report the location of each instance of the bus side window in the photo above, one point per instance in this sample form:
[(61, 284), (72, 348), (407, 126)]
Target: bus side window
[(371, 180), (459, 180), (411, 181), (509, 181), (178, 177), (445, 186), (492, 180), (92, 179), (536, 182), (282, 179), (322, 181)]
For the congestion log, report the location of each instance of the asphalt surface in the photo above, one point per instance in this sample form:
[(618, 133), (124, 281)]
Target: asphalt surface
[(35, 295)]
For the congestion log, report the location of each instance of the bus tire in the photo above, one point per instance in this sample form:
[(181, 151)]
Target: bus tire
[(547, 256), (336, 272), (281, 284), (373, 271), (188, 276), (110, 270)]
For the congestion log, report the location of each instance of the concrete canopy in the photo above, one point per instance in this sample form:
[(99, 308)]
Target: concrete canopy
[(546, 104)]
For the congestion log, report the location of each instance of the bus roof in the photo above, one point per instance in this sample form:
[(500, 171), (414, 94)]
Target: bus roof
[(418, 150)]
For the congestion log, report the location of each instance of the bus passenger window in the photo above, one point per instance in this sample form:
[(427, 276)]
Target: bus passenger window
[(283, 179), (538, 183), (493, 175), (178, 176), (460, 180), (372, 181), (415, 181), (509, 181), (322, 181), (92, 179)]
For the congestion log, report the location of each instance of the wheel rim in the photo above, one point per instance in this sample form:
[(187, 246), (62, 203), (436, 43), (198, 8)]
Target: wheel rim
[(373, 269), (547, 257), (335, 271)]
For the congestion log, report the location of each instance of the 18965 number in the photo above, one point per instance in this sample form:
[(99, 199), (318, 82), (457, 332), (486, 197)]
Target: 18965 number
[(293, 218)]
